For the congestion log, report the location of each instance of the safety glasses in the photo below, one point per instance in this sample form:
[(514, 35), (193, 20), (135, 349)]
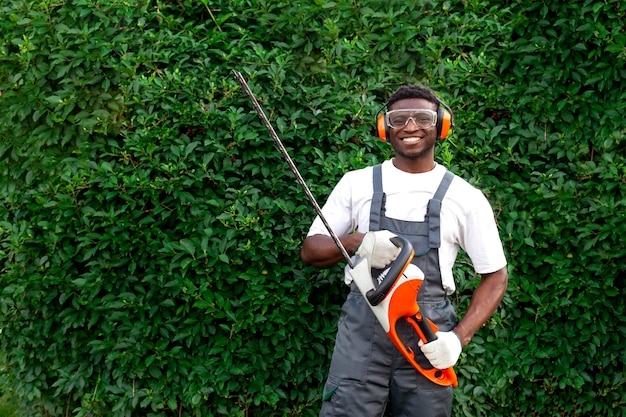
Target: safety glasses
[(422, 118)]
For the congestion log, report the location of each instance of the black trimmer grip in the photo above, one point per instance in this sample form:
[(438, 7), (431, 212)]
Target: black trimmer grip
[(393, 273), (427, 331)]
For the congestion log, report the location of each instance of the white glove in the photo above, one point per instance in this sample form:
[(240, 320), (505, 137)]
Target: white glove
[(377, 247), (443, 352)]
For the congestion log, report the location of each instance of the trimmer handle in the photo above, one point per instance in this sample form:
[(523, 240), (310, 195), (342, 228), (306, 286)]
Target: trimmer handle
[(394, 272), (425, 327)]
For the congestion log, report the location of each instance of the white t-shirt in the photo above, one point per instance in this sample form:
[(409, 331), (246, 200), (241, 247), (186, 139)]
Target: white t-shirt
[(467, 220)]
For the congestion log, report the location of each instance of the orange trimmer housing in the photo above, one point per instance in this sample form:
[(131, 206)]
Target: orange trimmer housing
[(393, 297)]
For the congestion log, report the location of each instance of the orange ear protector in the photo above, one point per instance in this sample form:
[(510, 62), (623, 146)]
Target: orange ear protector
[(444, 122)]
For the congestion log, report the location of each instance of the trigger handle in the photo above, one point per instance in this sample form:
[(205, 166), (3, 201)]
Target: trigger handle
[(426, 327)]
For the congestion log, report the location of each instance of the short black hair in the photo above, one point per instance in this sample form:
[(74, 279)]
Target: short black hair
[(414, 91)]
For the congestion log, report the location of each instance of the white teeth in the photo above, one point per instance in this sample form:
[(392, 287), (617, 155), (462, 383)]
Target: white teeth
[(411, 140)]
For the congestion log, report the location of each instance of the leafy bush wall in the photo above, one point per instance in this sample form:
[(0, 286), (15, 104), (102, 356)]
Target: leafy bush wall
[(151, 230)]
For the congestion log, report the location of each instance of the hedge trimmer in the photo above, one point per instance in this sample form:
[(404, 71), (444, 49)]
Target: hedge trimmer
[(395, 298), (393, 294)]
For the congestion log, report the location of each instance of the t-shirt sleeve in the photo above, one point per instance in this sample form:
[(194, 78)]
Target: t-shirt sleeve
[(480, 237)]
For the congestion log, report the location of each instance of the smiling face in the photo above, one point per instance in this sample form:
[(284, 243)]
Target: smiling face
[(414, 146)]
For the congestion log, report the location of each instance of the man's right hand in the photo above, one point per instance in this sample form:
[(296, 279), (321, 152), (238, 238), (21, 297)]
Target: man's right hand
[(378, 248)]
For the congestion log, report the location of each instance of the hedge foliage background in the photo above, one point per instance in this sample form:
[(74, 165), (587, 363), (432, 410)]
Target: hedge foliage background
[(150, 230)]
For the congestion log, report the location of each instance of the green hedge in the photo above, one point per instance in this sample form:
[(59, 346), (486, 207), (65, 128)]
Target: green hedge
[(151, 230)]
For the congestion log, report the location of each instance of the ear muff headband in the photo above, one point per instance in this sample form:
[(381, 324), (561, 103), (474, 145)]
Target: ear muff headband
[(444, 122)]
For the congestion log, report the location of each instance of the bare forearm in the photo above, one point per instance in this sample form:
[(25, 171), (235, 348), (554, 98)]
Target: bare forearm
[(322, 252), (484, 302)]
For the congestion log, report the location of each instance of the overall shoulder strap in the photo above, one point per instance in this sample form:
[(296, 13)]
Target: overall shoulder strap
[(433, 212), (378, 199)]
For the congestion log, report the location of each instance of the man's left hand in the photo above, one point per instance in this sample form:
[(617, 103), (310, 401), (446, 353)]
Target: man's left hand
[(444, 352)]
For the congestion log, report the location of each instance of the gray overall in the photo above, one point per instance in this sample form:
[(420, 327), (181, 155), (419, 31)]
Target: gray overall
[(367, 370)]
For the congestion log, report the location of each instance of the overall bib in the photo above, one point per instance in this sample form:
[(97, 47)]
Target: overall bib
[(367, 371)]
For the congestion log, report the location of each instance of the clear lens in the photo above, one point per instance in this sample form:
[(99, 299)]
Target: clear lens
[(421, 117)]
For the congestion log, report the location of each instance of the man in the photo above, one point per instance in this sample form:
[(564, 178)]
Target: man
[(368, 207)]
